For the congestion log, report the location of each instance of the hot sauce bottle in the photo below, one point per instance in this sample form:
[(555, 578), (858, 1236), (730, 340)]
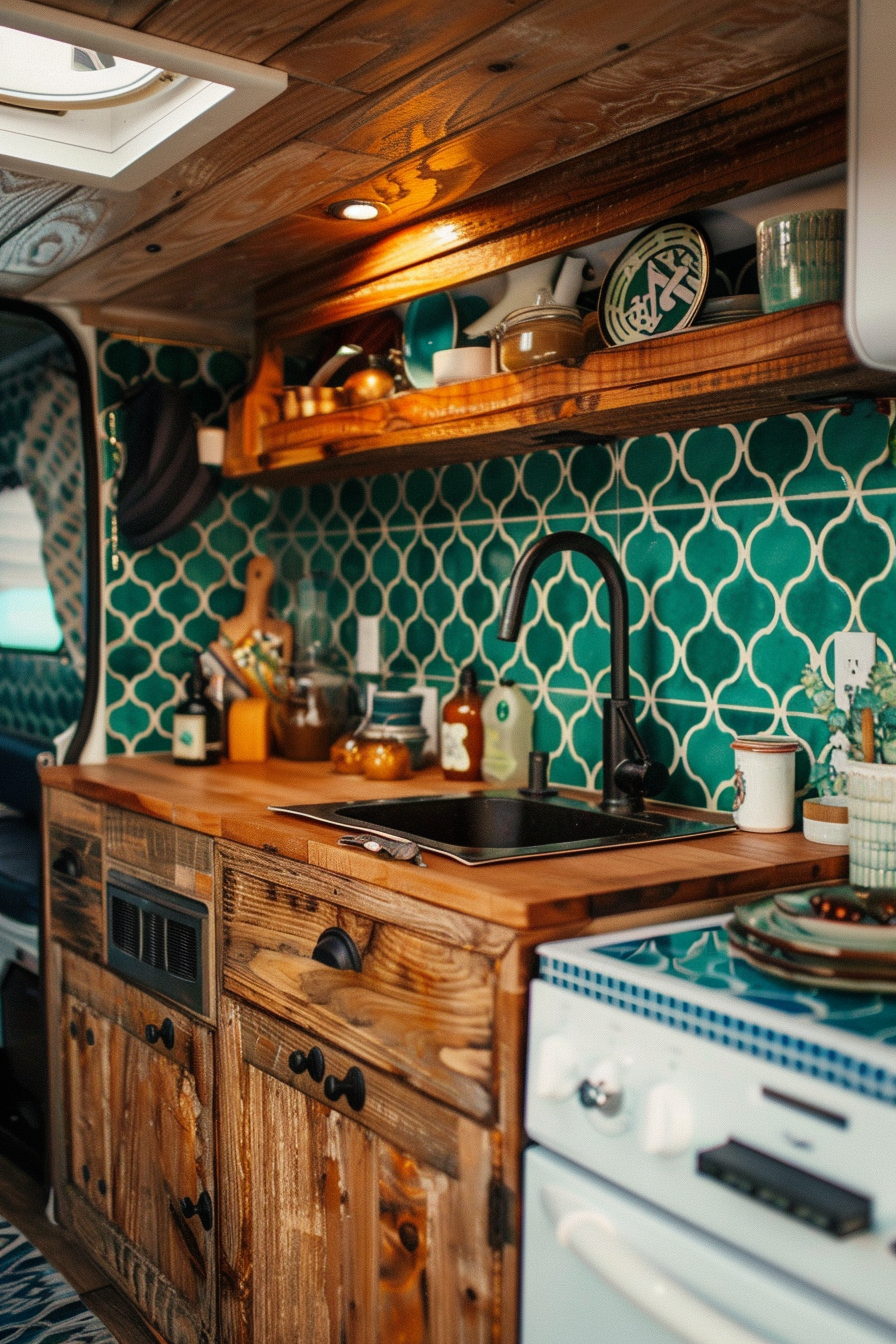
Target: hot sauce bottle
[(462, 730)]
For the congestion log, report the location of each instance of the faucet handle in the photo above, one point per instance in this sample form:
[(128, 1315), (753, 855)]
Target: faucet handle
[(538, 776), (641, 779)]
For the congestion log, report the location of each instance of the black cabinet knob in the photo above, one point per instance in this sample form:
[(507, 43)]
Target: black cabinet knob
[(313, 1063), (164, 1033), (68, 863), (202, 1207), (351, 1087), (335, 948)]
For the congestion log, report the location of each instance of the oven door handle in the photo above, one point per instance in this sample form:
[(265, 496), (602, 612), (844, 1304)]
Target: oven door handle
[(598, 1244)]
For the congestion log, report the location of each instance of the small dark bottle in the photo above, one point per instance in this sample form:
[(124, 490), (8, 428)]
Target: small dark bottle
[(196, 738), (462, 735)]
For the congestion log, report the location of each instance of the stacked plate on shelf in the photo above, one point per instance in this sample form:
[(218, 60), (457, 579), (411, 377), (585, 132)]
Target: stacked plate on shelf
[(848, 947), (728, 308)]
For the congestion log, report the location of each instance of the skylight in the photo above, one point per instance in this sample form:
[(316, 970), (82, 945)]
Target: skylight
[(104, 106), (41, 73)]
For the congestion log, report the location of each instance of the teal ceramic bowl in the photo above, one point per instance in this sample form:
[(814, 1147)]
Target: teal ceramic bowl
[(800, 259), (429, 325)]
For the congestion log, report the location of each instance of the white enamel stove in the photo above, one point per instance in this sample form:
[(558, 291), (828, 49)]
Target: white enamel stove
[(761, 1113)]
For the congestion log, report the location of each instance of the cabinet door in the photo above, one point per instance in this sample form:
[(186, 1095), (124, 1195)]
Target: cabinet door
[(139, 1143), (343, 1226)]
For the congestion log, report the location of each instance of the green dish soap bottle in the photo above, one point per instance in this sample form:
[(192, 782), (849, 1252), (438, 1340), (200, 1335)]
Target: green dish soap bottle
[(507, 719)]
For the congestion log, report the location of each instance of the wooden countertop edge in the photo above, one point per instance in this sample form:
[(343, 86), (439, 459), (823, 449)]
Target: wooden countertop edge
[(521, 895)]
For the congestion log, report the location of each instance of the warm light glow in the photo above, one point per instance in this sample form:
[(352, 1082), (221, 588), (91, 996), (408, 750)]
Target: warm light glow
[(362, 210)]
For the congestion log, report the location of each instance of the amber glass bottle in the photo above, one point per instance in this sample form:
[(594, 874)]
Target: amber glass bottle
[(462, 730)]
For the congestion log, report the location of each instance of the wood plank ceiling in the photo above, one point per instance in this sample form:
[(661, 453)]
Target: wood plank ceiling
[(420, 106)]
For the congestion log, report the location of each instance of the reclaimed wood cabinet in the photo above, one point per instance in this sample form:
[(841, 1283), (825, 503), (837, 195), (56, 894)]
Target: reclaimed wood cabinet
[(363, 1218), (138, 1105), (368, 1154), (131, 1074)]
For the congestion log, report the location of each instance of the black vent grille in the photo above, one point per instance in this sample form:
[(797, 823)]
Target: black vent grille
[(126, 926), (152, 950), (182, 958), (156, 938)]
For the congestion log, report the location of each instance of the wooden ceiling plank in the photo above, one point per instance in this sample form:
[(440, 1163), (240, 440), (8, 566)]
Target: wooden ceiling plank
[(660, 81), (379, 42), (782, 130), (250, 31), (126, 13), (291, 177), (542, 49), (287, 117), (236, 150), (768, 135), (58, 236), (24, 198), (229, 331)]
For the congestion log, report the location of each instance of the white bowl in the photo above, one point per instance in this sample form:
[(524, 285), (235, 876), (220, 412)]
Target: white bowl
[(461, 364), (827, 832)]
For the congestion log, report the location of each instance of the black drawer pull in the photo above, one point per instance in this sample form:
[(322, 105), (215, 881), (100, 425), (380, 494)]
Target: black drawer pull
[(351, 1087), (164, 1033), (68, 863), (202, 1207), (313, 1063), (337, 949)]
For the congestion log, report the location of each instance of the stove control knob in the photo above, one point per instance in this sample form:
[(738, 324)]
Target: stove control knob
[(557, 1071), (602, 1089), (668, 1121)]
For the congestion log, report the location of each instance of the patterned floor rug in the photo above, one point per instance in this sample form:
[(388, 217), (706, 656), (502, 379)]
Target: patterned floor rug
[(37, 1306)]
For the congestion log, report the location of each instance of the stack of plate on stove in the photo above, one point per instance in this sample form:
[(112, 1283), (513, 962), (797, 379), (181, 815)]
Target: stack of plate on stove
[(833, 937)]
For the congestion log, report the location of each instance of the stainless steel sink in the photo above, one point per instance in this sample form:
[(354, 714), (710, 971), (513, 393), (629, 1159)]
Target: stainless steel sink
[(498, 825)]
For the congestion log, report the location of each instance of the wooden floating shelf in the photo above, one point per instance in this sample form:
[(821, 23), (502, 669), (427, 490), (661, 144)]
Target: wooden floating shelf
[(768, 365)]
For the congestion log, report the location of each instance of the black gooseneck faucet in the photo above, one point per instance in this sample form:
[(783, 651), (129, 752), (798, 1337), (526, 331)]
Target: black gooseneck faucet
[(627, 781)]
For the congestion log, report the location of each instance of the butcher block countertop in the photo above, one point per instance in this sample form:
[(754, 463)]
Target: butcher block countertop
[(230, 801)]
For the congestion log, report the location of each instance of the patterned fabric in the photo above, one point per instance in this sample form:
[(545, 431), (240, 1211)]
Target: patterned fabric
[(37, 1306), (50, 462), (42, 695)]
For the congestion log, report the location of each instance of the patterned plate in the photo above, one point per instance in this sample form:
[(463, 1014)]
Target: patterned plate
[(766, 921), (801, 971), (795, 906), (656, 285)]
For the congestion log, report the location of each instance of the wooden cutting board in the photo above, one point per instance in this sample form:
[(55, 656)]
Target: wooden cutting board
[(255, 614)]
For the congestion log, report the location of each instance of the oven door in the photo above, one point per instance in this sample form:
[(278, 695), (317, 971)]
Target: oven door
[(601, 1266)]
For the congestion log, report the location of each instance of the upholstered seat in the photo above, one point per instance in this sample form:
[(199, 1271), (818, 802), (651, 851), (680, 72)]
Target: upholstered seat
[(20, 829)]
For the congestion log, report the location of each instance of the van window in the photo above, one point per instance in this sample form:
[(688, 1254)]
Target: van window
[(27, 617)]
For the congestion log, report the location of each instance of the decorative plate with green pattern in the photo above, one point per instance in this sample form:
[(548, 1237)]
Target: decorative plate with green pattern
[(657, 284)]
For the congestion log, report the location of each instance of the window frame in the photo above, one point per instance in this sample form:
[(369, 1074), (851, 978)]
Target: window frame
[(93, 549)]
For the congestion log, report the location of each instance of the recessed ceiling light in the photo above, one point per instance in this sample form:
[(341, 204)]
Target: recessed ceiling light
[(357, 209), (125, 106)]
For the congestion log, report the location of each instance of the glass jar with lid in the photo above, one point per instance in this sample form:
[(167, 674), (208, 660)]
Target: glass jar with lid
[(541, 334)]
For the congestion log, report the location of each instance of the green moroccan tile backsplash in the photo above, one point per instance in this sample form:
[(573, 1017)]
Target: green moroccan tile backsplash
[(746, 547)]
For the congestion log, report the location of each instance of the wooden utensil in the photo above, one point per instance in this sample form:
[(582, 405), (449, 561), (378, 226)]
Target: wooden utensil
[(868, 735), (254, 615)]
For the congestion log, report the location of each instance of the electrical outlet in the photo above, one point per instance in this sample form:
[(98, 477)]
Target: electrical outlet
[(367, 658), (854, 655)]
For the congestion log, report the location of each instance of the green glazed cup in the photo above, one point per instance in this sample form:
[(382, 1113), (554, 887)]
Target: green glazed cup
[(800, 259)]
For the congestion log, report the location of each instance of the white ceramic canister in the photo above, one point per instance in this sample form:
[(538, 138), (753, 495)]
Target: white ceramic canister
[(872, 824), (507, 718), (764, 782)]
